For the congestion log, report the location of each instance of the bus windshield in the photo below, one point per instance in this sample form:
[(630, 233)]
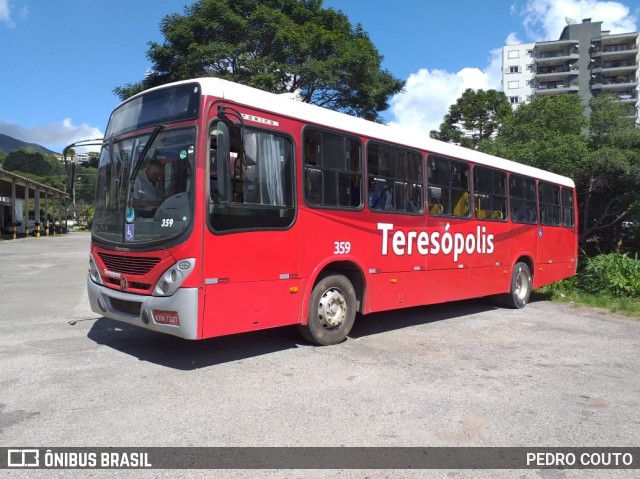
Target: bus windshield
[(145, 199)]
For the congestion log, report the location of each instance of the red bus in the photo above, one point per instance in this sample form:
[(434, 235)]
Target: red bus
[(222, 209)]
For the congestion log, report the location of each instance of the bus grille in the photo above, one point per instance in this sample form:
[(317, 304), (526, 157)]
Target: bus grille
[(138, 265)]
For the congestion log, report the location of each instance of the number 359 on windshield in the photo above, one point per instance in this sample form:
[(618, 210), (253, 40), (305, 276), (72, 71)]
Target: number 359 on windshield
[(341, 247)]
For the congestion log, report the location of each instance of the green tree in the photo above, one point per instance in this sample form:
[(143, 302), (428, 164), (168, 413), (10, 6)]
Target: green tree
[(476, 116), (611, 176), (69, 154), (612, 122), (94, 159), (601, 154), (85, 183), (548, 133), (282, 46), (607, 184), (32, 162)]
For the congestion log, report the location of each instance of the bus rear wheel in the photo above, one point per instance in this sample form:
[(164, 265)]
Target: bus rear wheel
[(518, 296), (332, 311)]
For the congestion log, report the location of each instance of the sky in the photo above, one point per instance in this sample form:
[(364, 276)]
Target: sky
[(60, 60)]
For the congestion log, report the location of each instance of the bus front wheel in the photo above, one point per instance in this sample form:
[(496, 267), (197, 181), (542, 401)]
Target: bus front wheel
[(332, 311), (518, 296)]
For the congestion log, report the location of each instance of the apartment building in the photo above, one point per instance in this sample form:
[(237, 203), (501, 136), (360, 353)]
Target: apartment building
[(81, 158), (585, 60)]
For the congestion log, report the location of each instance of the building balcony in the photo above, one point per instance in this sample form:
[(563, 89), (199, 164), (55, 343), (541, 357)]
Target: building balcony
[(613, 55), (619, 68), (628, 97), (556, 45), (617, 38), (553, 88), (549, 74), (555, 58), (616, 85)]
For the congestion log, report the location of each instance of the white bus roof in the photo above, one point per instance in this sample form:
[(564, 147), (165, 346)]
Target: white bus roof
[(285, 106)]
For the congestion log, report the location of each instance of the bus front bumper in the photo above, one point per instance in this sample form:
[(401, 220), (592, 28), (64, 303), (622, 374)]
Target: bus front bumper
[(146, 311)]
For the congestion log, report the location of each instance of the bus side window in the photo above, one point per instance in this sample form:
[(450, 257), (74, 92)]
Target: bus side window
[(333, 168), (490, 198), (395, 179), (549, 200), (568, 211), (449, 193), (523, 204), (380, 197)]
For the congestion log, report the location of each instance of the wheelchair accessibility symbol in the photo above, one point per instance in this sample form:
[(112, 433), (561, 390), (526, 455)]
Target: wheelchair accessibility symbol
[(129, 231), (539, 232)]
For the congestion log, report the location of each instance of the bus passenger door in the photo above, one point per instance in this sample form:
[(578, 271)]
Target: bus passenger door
[(251, 281), (552, 265), (251, 269)]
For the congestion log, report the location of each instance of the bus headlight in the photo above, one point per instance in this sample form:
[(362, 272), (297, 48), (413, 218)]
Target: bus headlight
[(94, 274), (172, 278)]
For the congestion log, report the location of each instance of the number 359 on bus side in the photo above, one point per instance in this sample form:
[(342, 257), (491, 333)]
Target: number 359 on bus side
[(341, 247)]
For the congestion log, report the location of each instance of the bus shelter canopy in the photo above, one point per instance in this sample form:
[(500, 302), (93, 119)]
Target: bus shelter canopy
[(7, 178)]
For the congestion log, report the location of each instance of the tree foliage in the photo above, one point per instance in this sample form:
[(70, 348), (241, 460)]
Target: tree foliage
[(32, 162), (476, 116), (282, 46), (610, 177), (601, 154), (612, 122), (85, 183), (94, 159), (547, 133)]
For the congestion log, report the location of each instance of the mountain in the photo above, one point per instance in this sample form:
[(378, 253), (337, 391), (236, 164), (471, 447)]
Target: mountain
[(9, 144)]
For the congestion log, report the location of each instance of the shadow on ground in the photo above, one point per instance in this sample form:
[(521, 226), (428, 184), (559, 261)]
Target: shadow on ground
[(182, 354)]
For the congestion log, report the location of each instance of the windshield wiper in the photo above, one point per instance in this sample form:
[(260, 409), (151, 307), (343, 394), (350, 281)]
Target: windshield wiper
[(136, 167), (138, 162)]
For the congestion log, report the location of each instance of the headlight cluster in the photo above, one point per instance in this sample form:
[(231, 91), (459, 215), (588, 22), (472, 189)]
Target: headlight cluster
[(94, 274), (172, 278)]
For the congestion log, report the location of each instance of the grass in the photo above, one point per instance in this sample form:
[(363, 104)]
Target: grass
[(568, 294)]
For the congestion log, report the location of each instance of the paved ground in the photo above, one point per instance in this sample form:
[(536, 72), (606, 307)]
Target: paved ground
[(462, 374)]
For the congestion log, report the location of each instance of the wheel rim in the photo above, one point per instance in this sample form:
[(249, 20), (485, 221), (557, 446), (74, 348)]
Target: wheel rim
[(332, 309), (522, 285)]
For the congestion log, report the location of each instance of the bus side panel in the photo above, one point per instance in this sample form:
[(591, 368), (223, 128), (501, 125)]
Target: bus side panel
[(479, 269), (250, 306), (248, 279), (550, 273), (336, 237), (489, 272), (554, 255), (524, 243), (398, 290)]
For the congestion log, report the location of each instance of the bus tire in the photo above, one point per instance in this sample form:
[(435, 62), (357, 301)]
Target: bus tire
[(332, 311), (520, 291)]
